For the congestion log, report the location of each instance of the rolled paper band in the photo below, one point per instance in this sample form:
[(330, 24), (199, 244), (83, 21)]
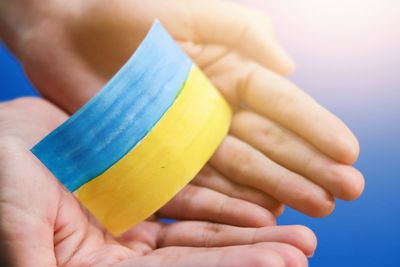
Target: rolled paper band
[(120, 115), (142, 138), (165, 160)]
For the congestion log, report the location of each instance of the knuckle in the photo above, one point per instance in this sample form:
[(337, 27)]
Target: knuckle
[(239, 163), (278, 136), (223, 207), (189, 193), (284, 104), (310, 164), (246, 77), (209, 232)]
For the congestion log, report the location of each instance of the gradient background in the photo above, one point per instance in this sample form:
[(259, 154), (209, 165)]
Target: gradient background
[(348, 57)]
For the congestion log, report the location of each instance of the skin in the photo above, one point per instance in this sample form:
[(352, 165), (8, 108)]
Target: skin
[(44, 225), (283, 147), (275, 154)]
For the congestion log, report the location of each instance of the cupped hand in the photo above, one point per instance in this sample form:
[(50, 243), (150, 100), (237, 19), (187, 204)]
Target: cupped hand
[(283, 146), (44, 225)]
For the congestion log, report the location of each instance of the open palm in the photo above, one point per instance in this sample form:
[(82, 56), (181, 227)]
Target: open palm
[(46, 226)]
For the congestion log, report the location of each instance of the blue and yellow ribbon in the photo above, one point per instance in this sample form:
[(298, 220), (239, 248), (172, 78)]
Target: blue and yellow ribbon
[(142, 138)]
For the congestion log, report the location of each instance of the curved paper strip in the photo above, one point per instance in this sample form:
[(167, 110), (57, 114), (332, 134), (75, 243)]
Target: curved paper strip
[(174, 151), (120, 115)]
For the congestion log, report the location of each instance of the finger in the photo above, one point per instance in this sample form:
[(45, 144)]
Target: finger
[(197, 203), (205, 234), (146, 236), (211, 178), (292, 152), (290, 255), (237, 27), (278, 99), (222, 257), (245, 165)]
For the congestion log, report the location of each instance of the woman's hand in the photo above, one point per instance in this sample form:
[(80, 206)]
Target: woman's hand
[(44, 225), (283, 146)]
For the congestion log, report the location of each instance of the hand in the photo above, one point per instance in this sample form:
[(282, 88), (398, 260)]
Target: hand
[(283, 146), (44, 225)]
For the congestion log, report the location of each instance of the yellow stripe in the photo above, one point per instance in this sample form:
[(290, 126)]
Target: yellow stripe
[(171, 154)]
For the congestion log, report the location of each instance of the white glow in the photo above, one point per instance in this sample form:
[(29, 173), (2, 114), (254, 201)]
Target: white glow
[(341, 22), (348, 45)]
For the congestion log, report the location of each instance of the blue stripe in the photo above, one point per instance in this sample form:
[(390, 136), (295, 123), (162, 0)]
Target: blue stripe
[(120, 115)]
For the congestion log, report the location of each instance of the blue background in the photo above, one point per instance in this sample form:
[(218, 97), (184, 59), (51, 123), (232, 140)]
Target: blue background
[(354, 70)]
